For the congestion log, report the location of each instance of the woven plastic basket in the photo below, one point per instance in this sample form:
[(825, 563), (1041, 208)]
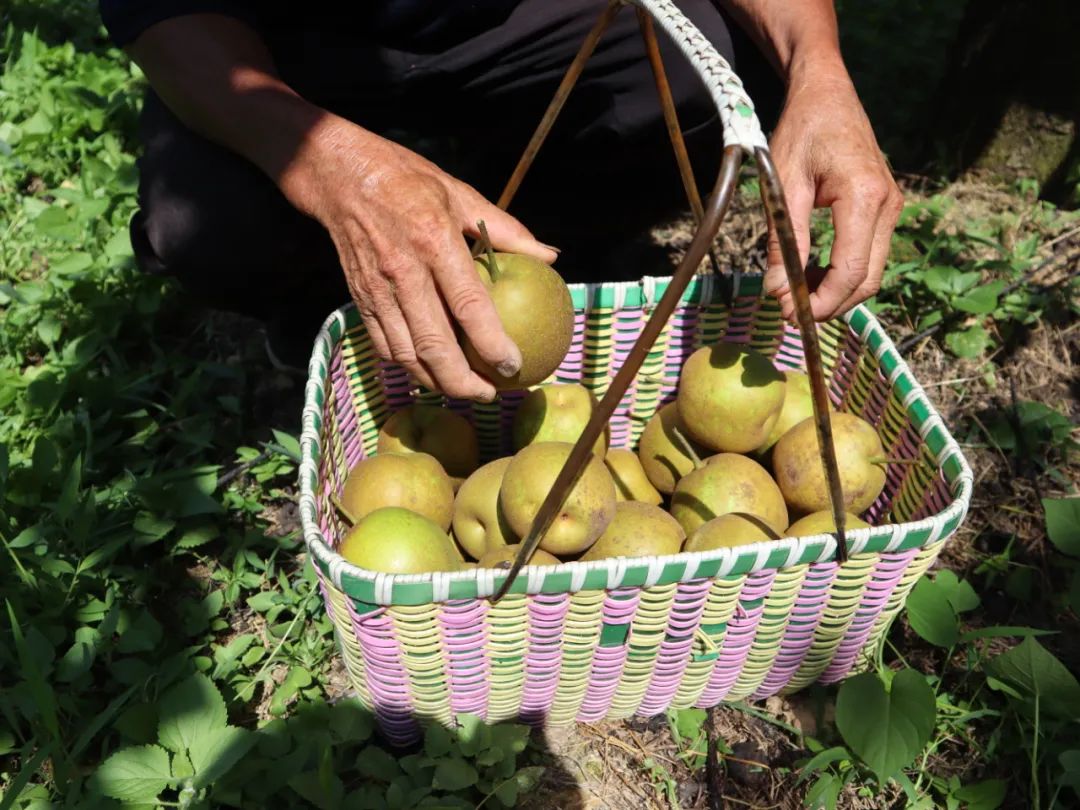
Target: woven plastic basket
[(616, 637)]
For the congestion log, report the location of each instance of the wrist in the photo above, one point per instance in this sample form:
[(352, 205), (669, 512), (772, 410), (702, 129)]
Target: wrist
[(816, 66)]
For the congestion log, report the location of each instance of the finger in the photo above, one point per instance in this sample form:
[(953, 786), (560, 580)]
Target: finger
[(505, 231), (800, 202), (433, 342), (879, 251), (471, 306), (855, 218)]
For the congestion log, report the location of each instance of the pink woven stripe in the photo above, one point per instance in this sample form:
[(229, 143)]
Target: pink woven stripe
[(464, 637), (619, 607), (543, 658), (674, 653), (387, 679), (799, 635), (737, 640), (626, 327), (887, 573)]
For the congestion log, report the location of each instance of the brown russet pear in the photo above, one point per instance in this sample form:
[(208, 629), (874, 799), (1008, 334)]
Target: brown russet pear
[(398, 541), (631, 483), (728, 531), (479, 525), (504, 556), (535, 308), (725, 483), (439, 432), (822, 523), (585, 514), (663, 453), (556, 412), (798, 405), (637, 530), (414, 481), (800, 471), (729, 397)]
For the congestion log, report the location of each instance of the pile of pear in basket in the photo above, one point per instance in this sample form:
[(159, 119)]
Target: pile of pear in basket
[(684, 554)]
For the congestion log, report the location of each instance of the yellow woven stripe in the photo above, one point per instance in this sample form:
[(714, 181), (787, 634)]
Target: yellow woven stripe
[(712, 324), (766, 327), (831, 337), (417, 631), (648, 385), (918, 566), (719, 608), (580, 638), (348, 644), (507, 622), (647, 630), (598, 350), (365, 384), (845, 594), (770, 631)]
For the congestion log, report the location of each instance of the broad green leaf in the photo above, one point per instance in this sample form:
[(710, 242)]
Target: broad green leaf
[(688, 723), (985, 795), (931, 614), (136, 774), (1034, 669), (454, 774), (821, 760), (142, 635), (80, 656), (1004, 631), (970, 342), (1063, 524), (886, 729), (376, 763), (350, 721), (289, 444), (959, 591), (474, 735), (1070, 764), (191, 713), (214, 755), (437, 741), (296, 679), (981, 300), (825, 792)]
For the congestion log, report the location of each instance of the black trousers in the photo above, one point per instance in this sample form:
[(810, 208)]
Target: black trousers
[(605, 174)]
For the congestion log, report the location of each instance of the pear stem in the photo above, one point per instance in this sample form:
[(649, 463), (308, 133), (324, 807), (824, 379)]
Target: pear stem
[(688, 448), (493, 266), (345, 513)]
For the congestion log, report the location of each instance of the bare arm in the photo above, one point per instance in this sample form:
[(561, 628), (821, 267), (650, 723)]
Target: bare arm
[(825, 152), (399, 223)]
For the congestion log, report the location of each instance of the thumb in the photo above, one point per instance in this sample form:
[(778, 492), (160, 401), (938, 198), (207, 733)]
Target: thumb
[(800, 202), (506, 232)]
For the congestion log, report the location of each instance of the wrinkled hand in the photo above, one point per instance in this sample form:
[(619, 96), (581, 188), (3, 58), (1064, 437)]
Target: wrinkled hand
[(827, 157), (399, 224)]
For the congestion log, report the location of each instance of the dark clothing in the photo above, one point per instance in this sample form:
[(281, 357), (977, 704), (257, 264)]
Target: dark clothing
[(469, 101)]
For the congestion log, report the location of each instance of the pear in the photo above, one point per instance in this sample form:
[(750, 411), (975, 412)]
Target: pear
[(663, 453), (398, 541), (822, 523), (727, 483), (557, 412), (631, 483), (414, 481), (729, 397), (479, 525), (439, 432), (800, 471), (535, 308), (728, 531), (637, 530), (798, 405), (504, 556), (589, 506)]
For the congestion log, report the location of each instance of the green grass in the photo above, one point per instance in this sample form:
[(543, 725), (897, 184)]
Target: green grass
[(161, 638)]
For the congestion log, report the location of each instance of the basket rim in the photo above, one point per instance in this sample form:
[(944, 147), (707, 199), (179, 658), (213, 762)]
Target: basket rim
[(378, 588)]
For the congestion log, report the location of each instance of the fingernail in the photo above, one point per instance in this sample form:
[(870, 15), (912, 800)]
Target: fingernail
[(511, 365), (552, 248)]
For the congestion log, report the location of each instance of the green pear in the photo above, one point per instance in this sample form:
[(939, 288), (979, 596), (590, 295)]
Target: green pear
[(728, 531), (798, 405), (534, 305), (729, 397), (414, 481), (439, 432), (822, 523), (727, 483), (586, 512), (663, 453), (479, 525), (637, 530), (800, 471), (631, 483), (398, 541), (557, 412), (504, 556)]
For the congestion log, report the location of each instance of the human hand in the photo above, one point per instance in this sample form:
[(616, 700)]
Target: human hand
[(399, 225), (826, 155)]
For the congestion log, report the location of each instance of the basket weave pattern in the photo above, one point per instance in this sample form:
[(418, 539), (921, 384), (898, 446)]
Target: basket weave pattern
[(616, 637)]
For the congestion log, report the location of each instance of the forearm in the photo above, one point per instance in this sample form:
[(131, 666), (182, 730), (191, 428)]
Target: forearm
[(800, 38)]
